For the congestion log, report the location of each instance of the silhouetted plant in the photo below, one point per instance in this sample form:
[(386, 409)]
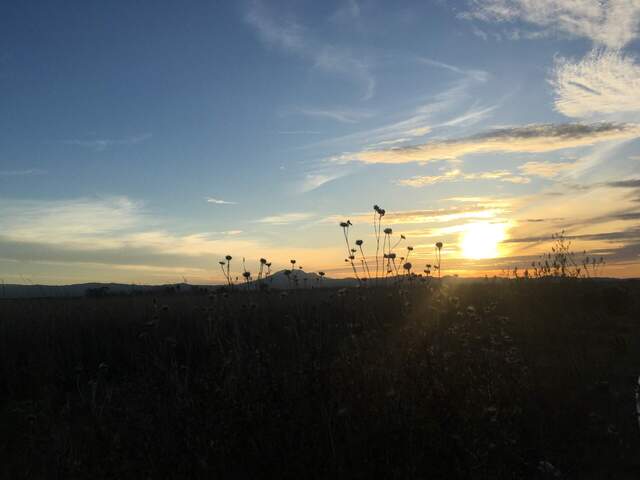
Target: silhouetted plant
[(438, 267), (345, 230), (378, 213), (562, 262)]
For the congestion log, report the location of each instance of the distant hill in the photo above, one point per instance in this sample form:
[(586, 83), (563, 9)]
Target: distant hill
[(83, 289), (278, 280)]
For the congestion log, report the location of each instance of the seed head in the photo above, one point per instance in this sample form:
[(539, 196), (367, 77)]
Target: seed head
[(388, 231), (407, 266), (228, 257), (359, 242), (439, 245), (263, 261)]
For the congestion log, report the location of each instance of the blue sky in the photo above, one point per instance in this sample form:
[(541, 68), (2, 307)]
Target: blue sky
[(143, 141)]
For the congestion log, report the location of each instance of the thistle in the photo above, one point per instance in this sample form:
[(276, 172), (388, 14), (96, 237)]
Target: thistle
[(377, 227), (438, 256), (365, 265), (350, 257)]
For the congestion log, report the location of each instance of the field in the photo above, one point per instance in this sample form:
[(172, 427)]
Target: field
[(486, 379)]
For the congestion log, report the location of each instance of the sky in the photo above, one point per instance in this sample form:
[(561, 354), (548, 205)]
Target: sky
[(141, 142)]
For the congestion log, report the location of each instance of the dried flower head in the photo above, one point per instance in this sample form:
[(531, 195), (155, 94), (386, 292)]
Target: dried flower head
[(359, 242), (228, 257), (388, 231)]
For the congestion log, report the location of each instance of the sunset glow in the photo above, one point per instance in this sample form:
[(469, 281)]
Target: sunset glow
[(481, 240)]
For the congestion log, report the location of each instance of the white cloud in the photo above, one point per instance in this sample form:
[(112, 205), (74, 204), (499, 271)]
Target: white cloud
[(79, 221), (218, 201), (611, 23), (285, 218), (602, 83)]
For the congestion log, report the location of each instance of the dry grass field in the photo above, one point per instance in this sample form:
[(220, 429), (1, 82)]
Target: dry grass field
[(486, 379)]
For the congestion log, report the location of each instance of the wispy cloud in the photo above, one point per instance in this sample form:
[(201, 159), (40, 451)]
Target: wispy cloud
[(340, 115), (299, 132), (285, 33), (457, 175), (313, 181), (441, 110), (602, 83), (527, 139), (218, 201), (103, 144), (545, 169), (612, 23), (22, 173), (631, 183), (477, 75), (72, 222), (286, 218)]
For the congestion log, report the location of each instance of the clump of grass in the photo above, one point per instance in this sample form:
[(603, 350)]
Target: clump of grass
[(562, 262)]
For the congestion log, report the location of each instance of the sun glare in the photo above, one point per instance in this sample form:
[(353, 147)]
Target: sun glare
[(482, 240)]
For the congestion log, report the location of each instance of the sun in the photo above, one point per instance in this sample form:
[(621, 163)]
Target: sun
[(481, 240)]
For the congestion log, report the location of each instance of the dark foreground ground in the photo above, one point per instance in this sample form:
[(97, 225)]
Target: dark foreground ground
[(494, 379)]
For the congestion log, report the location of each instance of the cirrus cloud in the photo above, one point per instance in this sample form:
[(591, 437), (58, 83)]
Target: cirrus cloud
[(603, 82), (612, 23), (535, 138)]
